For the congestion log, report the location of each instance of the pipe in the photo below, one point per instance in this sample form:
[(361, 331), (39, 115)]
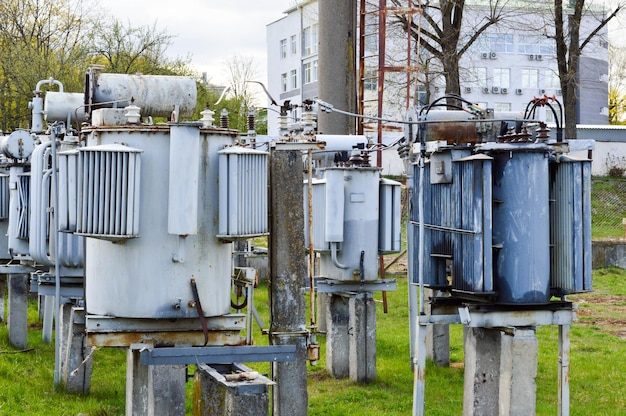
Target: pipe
[(57, 276), (311, 250), (50, 81), (333, 255)]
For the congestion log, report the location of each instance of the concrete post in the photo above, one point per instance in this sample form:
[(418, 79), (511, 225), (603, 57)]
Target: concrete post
[(437, 337), (288, 277), (362, 329), (482, 368), (48, 317), (153, 390), (214, 395), (18, 310), (518, 372), (500, 372), (338, 336), (3, 287), (77, 360), (337, 66)]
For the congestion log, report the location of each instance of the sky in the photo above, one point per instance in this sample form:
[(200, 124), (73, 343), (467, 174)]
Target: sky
[(210, 31)]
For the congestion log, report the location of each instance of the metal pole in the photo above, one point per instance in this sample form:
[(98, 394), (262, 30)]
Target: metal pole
[(288, 277)]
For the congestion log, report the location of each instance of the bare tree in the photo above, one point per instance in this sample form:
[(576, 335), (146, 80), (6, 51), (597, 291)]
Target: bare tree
[(240, 70), (569, 46), (442, 34), (617, 84)]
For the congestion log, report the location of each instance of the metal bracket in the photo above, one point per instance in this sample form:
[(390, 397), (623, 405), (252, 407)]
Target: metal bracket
[(338, 286), (215, 355)]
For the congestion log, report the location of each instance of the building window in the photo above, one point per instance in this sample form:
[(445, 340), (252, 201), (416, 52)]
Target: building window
[(535, 45), (283, 82), (310, 72), (310, 40), (283, 48), (294, 79), (502, 106), (530, 78), (478, 77), (495, 43), (294, 44), (551, 80), (501, 77)]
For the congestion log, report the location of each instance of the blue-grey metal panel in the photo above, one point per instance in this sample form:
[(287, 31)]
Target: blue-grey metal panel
[(570, 225), (437, 243), (521, 224), (472, 265)]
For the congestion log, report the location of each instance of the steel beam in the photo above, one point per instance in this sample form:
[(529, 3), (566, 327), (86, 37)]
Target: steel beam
[(216, 355)]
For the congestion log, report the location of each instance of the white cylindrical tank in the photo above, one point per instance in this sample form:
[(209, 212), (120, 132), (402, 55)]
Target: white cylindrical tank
[(149, 276)]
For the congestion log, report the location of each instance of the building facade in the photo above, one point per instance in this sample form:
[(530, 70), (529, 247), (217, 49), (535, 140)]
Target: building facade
[(504, 69)]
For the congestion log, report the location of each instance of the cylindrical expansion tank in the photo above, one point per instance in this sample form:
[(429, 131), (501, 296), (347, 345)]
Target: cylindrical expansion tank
[(358, 243), (155, 94), (521, 223), (150, 276)]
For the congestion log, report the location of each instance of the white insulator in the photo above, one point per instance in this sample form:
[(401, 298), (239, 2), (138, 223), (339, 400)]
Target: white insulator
[(207, 118), (132, 114), (283, 124)]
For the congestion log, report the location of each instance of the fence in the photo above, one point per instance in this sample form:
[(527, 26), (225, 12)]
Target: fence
[(608, 207)]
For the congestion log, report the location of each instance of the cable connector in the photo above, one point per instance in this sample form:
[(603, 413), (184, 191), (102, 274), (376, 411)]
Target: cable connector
[(324, 106)]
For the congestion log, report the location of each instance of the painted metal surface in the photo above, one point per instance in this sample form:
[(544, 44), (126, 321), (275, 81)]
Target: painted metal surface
[(570, 225), (64, 106), (521, 224), (18, 145), (19, 218), (142, 277), (390, 218), (70, 251), (243, 192), (156, 95), (211, 355), (352, 213)]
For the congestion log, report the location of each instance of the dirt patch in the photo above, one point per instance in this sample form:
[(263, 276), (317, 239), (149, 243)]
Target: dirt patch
[(606, 312)]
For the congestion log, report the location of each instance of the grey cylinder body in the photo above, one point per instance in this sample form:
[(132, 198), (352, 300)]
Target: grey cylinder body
[(521, 226), (59, 105), (156, 95), (149, 276)]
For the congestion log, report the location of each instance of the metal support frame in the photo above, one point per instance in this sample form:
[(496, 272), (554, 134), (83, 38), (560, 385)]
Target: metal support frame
[(110, 331), (479, 316), (342, 286), (214, 355)]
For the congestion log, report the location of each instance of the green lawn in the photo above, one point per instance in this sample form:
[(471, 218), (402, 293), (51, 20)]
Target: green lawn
[(598, 367)]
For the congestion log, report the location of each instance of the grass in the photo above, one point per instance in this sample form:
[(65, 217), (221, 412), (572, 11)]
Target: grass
[(598, 368), (608, 207)]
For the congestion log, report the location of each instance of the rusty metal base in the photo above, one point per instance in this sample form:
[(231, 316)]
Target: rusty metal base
[(110, 331)]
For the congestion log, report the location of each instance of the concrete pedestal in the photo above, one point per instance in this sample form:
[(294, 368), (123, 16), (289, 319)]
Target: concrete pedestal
[(3, 287), (18, 310), (351, 336), (154, 390), (216, 395), (76, 357), (500, 372), (437, 336)]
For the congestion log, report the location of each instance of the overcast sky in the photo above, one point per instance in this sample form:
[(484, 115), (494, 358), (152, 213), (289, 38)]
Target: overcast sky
[(213, 30), (209, 30)]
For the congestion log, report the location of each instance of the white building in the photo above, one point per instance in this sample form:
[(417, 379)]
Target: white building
[(503, 70)]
